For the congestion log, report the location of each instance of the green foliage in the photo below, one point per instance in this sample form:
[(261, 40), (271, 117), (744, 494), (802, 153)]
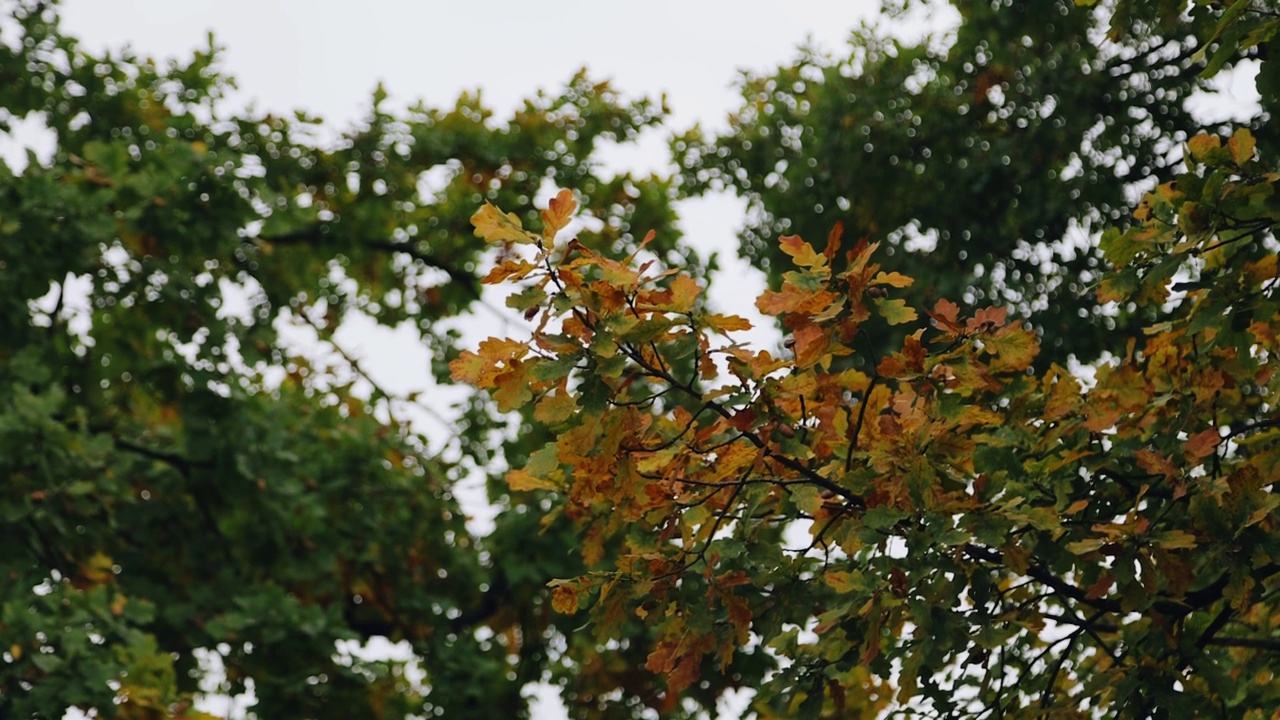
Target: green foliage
[(979, 532), (982, 158), (174, 478)]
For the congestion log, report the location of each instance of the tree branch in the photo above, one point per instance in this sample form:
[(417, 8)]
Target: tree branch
[(312, 235)]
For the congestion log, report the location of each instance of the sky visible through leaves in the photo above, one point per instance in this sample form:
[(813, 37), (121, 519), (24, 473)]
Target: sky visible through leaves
[(326, 57)]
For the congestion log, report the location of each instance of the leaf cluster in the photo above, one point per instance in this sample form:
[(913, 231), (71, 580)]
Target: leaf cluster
[(942, 528)]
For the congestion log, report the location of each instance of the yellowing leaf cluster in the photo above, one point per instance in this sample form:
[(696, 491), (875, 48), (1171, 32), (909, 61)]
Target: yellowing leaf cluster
[(1027, 492)]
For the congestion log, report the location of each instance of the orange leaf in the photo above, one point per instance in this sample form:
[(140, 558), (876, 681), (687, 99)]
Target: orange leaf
[(945, 313), (558, 214), (801, 252), (494, 357), (564, 596), (791, 299), (810, 344), (1202, 443), (1153, 462), (686, 672), (987, 320), (833, 241), (1076, 507), (1062, 396)]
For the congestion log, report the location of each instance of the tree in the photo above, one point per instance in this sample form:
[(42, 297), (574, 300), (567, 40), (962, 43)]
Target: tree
[(978, 538), (941, 529), (983, 159), (177, 479), (176, 476)]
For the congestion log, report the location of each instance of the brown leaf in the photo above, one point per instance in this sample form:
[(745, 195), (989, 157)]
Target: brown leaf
[(1202, 444), (564, 596), (833, 241), (1101, 586)]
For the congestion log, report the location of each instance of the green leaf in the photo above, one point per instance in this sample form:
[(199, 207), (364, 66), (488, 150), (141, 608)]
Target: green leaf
[(895, 311)]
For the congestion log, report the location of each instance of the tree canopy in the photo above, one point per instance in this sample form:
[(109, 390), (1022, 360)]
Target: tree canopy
[(976, 538), (985, 157), (911, 507), (902, 512), (178, 477)]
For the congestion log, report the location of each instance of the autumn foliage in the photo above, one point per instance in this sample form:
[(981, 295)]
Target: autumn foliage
[(940, 529)]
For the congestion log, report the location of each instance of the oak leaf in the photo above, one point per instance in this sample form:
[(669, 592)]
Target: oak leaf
[(895, 311), (802, 253), (494, 226), (558, 214)]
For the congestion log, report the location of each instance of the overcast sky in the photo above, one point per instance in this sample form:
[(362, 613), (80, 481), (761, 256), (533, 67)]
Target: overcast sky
[(326, 57)]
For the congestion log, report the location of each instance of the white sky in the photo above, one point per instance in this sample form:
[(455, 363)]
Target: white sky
[(326, 57)]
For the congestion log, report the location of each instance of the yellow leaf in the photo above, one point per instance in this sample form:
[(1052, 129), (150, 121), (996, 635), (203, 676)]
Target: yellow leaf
[(802, 253), (510, 269), (1176, 540), (1200, 145), (558, 214), (616, 273), (894, 279), (555, 409), (521, 481), (512, 387), (98, 569), (1014, 346), (495, 227), (467, 367), (1241, 145), (684, 292), (494, 357), (842, 581), (1084, 547), (726, 323)]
